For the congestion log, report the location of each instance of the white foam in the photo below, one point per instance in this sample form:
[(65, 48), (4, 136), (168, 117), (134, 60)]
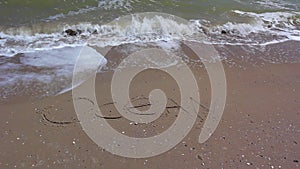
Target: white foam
[(50, 71), (279, 4), (263, 26), (136, 28), (102, 4), (133, 30), (242, 29), (270, 16), (116, 4)]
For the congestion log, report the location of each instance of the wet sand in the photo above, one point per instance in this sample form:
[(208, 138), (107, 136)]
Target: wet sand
[(259, 128)]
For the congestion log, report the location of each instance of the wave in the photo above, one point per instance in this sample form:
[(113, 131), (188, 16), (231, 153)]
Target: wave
[(24, 40), (261, 29)]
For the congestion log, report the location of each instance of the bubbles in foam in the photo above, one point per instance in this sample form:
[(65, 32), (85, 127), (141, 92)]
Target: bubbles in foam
[(116, 4)]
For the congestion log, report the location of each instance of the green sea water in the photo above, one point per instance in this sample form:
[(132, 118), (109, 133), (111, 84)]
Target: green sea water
[(27, 12)]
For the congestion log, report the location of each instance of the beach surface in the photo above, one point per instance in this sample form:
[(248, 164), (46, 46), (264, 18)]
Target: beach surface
[(259, 128)]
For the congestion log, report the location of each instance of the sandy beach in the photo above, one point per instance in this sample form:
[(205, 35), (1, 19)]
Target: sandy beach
[(147, 84), (259, 128)]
